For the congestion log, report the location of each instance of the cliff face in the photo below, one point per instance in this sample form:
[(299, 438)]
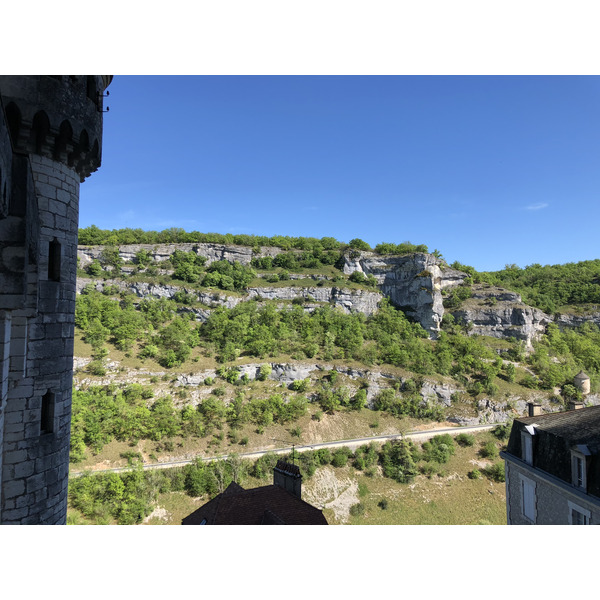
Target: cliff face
[(413, 282), (501, 314), (348, 300), (572, 321), (160, 252)]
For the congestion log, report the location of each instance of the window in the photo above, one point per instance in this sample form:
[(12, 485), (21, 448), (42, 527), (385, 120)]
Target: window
[(578, 467), (54, 258), (578, 515), (528, 498), (527, 447), (47, 415), (578, 471)]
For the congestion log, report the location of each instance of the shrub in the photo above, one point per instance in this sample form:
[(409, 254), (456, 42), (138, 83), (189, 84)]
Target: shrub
[(340, 457), (397, 461), (359, 244), (465, 439), (495, 472), (323, 456), (439, 448), (488, 450), (96, 368), (502, 432), (94, 269), (474, 474), (383, 504), (300, 385), (264, 372), (357, 510)]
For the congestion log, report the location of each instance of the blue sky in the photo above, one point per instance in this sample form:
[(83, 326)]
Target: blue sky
[(490, 170)]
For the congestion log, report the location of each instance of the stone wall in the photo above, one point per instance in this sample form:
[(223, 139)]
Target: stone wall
[(36, 438), (50, 138), (552, 498)]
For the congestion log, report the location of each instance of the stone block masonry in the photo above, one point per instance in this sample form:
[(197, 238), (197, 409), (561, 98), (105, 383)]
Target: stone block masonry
[(48, 354), (50, 138)]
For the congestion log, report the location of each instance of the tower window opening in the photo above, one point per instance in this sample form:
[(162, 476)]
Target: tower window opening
[(54, 259), (47, 415)]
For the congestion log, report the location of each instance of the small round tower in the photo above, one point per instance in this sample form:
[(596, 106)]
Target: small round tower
[(582, 382), (50, 141)]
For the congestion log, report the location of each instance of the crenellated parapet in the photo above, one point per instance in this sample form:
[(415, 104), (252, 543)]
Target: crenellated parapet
[(58, 117)]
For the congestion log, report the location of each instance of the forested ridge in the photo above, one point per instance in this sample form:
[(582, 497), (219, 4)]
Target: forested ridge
[(550, 287)]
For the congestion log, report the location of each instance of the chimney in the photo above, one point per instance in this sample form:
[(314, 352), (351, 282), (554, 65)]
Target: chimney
[(288, 477), (575, 405), (535, 409)]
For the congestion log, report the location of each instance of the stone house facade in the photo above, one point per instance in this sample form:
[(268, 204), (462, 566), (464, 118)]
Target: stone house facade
[(552, 466), (50, 141)]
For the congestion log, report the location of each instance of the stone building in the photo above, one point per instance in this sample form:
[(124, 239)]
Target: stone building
[(50, 141), (582, 382), (277, 504), (552, 465)]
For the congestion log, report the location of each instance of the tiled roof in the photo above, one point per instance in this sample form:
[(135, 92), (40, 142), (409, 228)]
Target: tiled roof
[(267, 505)]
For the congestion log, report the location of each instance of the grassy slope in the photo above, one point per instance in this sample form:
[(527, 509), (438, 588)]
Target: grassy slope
[(448, 499)]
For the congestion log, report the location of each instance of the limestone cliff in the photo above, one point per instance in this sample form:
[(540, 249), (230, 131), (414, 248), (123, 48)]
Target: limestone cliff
[(413, 282), (349, 301), (160, 252), (572, 321), (499, 313)]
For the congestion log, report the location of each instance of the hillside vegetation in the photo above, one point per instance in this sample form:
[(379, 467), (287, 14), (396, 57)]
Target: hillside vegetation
[(372, 482), (163, 378)]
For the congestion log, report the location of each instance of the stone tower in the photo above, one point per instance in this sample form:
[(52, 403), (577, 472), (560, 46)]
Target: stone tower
[(50, 141), (582, 382)]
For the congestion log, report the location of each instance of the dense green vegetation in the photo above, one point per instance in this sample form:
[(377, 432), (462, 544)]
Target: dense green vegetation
[(94, 236), (259, 329), (549, 287)]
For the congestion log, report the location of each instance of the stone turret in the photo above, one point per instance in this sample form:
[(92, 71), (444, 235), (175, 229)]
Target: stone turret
[(582, 382), (50, 141)]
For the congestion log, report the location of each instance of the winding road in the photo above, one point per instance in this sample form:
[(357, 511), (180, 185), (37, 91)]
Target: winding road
[(415, 435)]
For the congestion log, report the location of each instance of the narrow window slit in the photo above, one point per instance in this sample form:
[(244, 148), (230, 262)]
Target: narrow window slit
[(54, 258), (47, 416)]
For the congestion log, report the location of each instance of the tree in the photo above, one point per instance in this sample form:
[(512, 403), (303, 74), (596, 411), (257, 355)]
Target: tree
[(358, 244), (397, 461)]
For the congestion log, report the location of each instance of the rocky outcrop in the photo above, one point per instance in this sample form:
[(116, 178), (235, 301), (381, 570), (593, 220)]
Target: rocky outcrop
[(413, 282), (571, 321), (160, 252), (349, 301), (499, 313)]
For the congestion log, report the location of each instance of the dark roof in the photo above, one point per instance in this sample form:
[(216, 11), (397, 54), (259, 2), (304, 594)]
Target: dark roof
[(288, 468), (556, 434), (267, 505), (581, 375)]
